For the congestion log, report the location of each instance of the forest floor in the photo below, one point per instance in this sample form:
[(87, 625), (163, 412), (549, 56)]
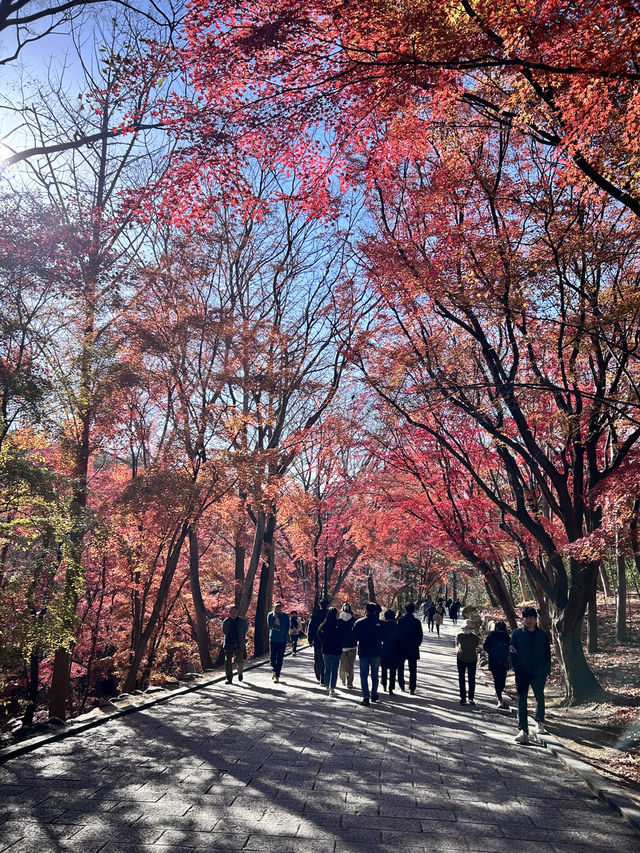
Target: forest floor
[(605, 734)]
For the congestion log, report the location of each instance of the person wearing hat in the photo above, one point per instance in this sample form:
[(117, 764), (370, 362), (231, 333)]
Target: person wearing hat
[(467, 658), (530, 652), (496, 645), (278, 622)]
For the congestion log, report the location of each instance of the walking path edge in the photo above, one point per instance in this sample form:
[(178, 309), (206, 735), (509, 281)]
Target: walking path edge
[(599, 786)]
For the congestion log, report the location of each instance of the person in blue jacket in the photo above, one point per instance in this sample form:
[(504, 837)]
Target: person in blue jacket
[(278, 622), (496, 645), (530, 652)]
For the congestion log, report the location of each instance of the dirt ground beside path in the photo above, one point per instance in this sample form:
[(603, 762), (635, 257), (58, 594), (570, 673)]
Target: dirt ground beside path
[(606, 734)]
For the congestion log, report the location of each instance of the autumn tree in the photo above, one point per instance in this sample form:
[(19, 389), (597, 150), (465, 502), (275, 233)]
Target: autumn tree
[(95, 245), (325, 525), (512, 306), (459, 521)]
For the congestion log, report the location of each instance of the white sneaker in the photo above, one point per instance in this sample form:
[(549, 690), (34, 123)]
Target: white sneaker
[(521, 737), (499, 705), (541, 729)]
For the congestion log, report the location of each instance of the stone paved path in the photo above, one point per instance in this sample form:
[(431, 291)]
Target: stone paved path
[(271, 767)]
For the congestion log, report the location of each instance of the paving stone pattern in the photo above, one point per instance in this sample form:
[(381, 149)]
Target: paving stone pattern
[(282, 768)]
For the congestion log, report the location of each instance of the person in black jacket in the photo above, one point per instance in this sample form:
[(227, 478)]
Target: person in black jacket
[(235, 629), (530, 652), (368, 633), (409, 639), (496, 645), (316, 621), (431, 612), (331, 635), (389, 658)]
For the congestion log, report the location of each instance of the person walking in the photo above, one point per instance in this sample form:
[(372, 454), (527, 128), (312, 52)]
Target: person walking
[(389, 656), (455, 610), (438, 617), (496, 645), (278, 622), (431, 612), (234, 628), (316, 621), (295, 630), (368, 634), (467, 658), (530, 652), (409, 638), (425, 610), (349, 645), (331, 636)]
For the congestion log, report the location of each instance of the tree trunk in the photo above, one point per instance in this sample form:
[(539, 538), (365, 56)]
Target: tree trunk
[(492, 576), (493, 601), (239, 552), (32, 695), (505, 601), (60, 684), (344, 573), (604, 578), (523, 587), (261, 630), (263, 604), (258, 540), (171, 565), (592, 622), (200, 611), (621, 595), (371, 588), (581, 684)]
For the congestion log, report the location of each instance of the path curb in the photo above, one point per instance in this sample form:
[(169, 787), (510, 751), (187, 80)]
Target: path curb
[(597, 784), (602, 789)]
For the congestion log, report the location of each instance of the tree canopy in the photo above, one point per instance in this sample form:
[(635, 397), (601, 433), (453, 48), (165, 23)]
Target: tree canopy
[(313, 299)]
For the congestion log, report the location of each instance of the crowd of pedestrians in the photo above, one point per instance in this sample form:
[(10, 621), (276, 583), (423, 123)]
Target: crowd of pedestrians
[(385, 646)]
